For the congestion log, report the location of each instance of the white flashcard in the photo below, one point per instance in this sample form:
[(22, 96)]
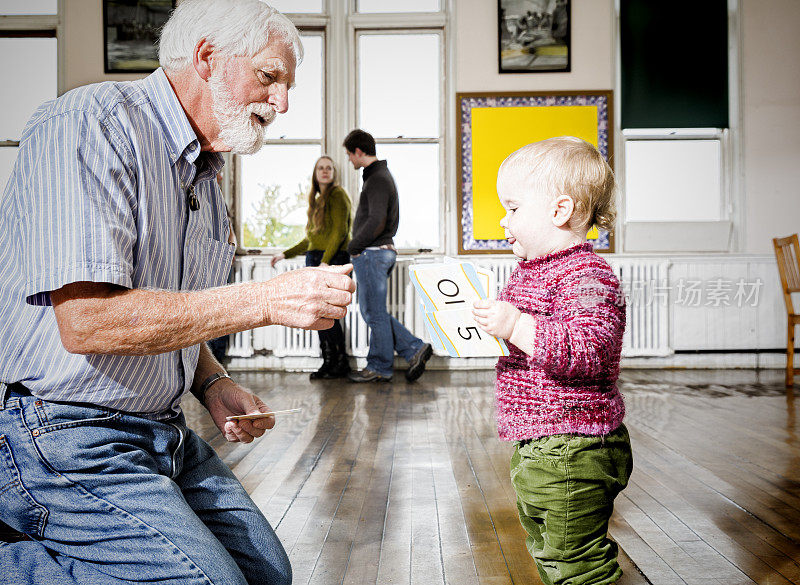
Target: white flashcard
[(461, 336), (447, 286), (447, 292)]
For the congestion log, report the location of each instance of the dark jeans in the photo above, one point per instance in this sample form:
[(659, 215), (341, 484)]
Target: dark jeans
[(386, 334), (335, 335)]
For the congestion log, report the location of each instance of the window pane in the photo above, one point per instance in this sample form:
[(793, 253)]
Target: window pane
[(386, 111), (25, 87), (275, 182), (673, 85), (28, 7), (8, 155), (415, 168), (672, 180), (304, 118), (399, 5), (297, 6)]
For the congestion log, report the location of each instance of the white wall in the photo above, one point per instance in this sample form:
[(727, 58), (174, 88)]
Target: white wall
[(771, 120), (592, 50), (83, 45)]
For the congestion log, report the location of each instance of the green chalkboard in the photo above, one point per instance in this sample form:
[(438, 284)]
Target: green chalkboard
[(674, 64)]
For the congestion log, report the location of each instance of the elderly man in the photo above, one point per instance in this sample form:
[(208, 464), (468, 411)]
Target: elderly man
[(113, 238)]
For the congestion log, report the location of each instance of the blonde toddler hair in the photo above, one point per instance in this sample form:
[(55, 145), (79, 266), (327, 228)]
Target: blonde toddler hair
[(568, 166)]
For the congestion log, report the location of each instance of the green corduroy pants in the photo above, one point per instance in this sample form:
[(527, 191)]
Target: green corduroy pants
[(566, 485)]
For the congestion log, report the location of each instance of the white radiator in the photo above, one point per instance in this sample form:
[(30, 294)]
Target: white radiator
[(646, 286), (644, 282)]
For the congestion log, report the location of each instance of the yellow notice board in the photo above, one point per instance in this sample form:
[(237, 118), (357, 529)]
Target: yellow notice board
[(495, 125), (497, 132)]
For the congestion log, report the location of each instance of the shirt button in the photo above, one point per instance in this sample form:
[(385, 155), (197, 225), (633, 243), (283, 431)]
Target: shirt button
[(35, 433), (38, 403)]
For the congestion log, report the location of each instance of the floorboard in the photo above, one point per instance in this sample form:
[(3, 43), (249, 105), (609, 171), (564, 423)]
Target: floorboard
[(408, 483)]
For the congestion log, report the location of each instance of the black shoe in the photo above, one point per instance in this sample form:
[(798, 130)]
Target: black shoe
[(328, 360), (321, 373), (416, 365), (340, 368), (366, 375), (340, 363)]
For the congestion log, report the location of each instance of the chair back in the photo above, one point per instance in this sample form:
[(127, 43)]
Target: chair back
[(787, 253)]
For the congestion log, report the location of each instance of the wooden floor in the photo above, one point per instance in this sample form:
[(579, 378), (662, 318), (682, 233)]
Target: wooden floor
[(408, 483)]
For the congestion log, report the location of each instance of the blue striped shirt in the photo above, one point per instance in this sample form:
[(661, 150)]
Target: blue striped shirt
[(99, 192)]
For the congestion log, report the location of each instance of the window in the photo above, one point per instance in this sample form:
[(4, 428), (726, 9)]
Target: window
[(399, 6), (29, 7), (677, 138), (297, 6), (406, 125), (347, 80), (694, 193), (30, 29)]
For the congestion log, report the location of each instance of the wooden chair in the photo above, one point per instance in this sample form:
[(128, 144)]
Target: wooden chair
[(787, 252)]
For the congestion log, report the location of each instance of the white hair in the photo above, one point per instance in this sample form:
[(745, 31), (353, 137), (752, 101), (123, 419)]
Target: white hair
[(235, 27)]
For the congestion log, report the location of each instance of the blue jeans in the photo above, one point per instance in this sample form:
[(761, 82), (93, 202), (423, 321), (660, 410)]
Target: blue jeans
[(113, 498), (387, 334)]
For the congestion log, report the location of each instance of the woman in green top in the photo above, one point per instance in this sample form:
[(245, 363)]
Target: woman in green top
[(327, 236)]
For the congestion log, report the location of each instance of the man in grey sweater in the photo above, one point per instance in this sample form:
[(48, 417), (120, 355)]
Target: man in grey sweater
[(373, 256)]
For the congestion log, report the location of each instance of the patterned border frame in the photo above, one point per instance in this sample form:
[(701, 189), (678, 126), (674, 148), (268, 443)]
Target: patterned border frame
[(466, 101)]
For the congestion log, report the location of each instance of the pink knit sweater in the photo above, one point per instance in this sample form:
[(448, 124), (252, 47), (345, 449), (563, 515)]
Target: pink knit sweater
[(568, 385)]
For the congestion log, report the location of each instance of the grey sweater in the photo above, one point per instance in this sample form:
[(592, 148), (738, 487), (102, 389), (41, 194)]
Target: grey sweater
[(378, 210)]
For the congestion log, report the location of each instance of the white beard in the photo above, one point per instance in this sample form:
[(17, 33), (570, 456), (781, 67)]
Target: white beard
[(238, 130)]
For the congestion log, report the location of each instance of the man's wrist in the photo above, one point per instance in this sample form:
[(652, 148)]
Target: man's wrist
[(200, 392)]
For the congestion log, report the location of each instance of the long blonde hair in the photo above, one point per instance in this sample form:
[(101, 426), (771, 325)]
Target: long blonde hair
[(316, 205)]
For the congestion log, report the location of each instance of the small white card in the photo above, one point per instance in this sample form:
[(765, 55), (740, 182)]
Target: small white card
[(261, 414)]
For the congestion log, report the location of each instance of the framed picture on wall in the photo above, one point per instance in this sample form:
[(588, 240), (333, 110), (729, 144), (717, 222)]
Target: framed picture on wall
[(533, 36), (492, 126), (130, 34)]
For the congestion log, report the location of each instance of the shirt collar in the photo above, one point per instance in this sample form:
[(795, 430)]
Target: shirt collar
[(373, 167), (181, 139)]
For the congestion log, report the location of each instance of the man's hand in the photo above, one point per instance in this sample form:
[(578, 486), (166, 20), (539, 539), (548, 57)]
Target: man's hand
[(497, 318), (308, 298), (226, 398)]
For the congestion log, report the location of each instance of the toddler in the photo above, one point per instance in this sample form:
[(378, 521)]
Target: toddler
[(564, 315)]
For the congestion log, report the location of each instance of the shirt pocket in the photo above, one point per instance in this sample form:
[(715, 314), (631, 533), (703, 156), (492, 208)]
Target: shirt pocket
[(209, 264)]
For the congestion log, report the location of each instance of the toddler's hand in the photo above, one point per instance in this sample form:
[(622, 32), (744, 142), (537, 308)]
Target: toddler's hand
[(497, 318)]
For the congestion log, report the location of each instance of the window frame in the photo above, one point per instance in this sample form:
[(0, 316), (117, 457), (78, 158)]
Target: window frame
[(438, 140), (340, 25), (724, 235), (37, 25)]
